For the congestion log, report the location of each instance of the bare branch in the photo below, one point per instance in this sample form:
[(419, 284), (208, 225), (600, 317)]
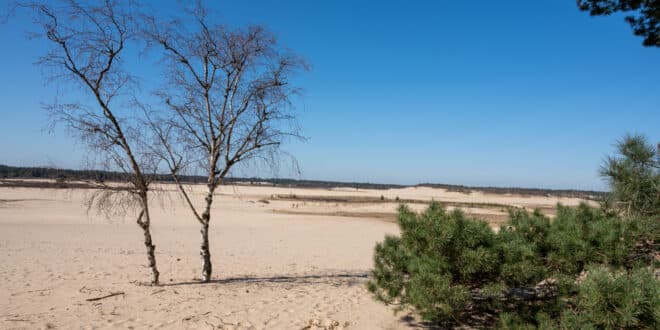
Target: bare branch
[(228, 98), (88, 40)]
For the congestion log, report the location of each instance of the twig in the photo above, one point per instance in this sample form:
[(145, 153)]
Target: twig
[(106, 296), (32, 291), (188, 318)]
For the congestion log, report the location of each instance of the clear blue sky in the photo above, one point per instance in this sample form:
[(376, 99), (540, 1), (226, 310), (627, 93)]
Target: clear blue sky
[(503, 93)]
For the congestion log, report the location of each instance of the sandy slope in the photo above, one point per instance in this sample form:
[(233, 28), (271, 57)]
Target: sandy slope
[(273, 270)]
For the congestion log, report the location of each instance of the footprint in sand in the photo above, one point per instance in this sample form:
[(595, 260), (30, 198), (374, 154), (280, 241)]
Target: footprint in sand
[(325, 324)]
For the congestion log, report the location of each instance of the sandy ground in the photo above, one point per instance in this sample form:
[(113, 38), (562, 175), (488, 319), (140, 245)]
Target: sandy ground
[(278, 264)]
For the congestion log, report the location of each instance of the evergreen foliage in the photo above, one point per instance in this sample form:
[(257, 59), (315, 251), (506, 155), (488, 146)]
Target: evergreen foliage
[(580, 270), (642, 15), (616, 299), (634, 177)]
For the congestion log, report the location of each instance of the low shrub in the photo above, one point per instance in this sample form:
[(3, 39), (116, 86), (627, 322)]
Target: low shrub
[(584, 268)]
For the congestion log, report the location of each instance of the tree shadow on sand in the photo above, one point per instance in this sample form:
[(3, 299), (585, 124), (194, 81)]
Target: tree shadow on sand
[(474, 320), (342, 279), (413, 323)]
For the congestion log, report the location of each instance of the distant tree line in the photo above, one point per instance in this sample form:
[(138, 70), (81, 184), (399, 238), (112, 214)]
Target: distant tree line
[(586, 194), (14, 172)]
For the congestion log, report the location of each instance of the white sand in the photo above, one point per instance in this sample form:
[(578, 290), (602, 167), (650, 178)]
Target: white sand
[(273, 270)]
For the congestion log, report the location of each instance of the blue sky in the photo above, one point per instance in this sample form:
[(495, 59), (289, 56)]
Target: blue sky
[(499, 93)]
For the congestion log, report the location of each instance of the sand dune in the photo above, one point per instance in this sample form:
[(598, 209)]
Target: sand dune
[(278, 264)]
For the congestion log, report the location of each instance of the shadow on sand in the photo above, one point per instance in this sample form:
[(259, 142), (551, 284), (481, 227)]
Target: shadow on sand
[(343, 279)]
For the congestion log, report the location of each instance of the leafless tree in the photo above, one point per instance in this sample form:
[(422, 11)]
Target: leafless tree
[(228, 99), (88, 41)]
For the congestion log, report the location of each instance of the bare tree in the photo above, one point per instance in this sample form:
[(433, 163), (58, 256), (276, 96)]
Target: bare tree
[(228, 98), (88, 42)]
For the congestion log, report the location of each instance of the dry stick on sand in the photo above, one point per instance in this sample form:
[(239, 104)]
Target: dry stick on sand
[(188, 318), (121, 293), (31, 291), (158, 291)]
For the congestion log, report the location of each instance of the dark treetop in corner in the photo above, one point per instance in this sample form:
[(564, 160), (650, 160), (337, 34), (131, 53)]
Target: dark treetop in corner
[(642, 15)]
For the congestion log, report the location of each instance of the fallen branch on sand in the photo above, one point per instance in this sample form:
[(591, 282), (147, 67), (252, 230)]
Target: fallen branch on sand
[(188, 318), (158, 291), (106, 296), (31, 291)]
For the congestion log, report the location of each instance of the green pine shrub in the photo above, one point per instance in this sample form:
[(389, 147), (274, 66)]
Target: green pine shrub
[(522, 241), (633, 175), (534, 273), (616, 300), (585, 235), (435, 262)]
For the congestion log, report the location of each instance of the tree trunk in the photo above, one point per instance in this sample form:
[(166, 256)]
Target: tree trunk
[(205, 252), (144, 221)]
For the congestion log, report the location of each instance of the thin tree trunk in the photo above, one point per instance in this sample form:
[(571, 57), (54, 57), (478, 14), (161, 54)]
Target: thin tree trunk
[(207, 267), (144, 221), (205, 252)]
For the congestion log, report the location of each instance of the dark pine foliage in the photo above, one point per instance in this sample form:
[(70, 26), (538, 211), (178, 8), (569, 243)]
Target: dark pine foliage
[(533, 272), (642, 15), (633, 175)]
